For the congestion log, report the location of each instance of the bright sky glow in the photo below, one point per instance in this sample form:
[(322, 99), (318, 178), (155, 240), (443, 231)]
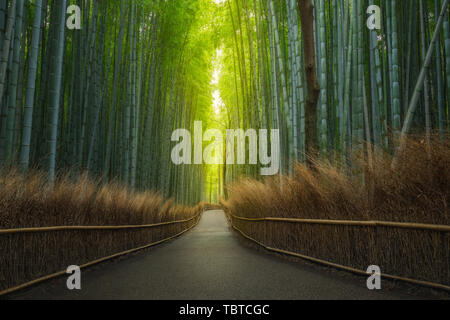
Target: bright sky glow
[(219, 1), (217, 99), (217, 102), (216, 76)]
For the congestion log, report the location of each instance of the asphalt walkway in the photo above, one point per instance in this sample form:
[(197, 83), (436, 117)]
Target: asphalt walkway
[(209, 262)]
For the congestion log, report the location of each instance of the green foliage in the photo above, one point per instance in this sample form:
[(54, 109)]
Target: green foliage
[(138, 70)]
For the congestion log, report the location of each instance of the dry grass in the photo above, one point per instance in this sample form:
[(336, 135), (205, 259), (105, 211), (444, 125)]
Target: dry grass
[(416, 191), (28, 202)]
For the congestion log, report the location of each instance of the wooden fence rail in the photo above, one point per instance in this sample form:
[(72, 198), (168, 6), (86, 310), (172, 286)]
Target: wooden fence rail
[(403, 225), (389, 224), (63, 228), (92, 228)]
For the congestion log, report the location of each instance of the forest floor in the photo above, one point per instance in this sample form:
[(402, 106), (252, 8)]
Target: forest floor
[(211, 262)]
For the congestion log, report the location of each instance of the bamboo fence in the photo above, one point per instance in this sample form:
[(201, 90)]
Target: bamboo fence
[(19, 231), (442, 229)]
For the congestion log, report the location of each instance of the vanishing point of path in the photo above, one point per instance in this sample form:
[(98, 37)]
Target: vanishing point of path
[(209, 262)]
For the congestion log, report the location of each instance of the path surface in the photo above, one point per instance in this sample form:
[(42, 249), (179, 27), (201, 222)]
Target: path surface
[(209, 262)]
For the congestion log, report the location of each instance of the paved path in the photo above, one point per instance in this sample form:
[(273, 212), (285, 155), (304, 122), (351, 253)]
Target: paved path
[(209, 262)]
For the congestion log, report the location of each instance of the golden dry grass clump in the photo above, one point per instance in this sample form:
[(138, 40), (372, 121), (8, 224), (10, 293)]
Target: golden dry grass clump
[(29, 202), (416, 190)]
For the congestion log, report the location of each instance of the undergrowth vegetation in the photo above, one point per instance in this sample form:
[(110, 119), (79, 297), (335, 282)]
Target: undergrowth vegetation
[(416, 190), (31, 202)]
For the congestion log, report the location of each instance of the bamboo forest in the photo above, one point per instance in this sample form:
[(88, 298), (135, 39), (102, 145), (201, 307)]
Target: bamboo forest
[(353, 93)]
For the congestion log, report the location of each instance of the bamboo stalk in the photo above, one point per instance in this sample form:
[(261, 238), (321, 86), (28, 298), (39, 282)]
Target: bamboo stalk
[(419, 86)]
